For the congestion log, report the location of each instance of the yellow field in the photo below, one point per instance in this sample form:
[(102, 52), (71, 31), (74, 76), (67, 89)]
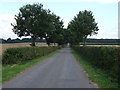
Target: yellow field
[(103, 45), (3, 47)]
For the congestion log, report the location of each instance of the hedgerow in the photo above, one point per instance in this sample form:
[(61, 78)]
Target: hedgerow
[(104, 58), (18, 55)]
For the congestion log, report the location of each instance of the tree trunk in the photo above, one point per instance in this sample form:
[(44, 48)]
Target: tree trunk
[(48, 43), (54, 44), (84, 39), (33, 41)]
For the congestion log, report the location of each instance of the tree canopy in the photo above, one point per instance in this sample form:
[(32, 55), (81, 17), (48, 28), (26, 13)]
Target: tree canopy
[(81, 26), (37, 22), (33, 21)]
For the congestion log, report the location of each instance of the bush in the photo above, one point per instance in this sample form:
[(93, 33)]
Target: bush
[(18, 55), (105, 58)]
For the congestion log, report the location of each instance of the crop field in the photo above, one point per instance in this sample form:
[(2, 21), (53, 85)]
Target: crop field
[(103, 45), (3, 47)]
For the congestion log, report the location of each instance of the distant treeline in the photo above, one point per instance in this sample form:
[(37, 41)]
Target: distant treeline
[(24, 40), (102, 42), (88, 41)]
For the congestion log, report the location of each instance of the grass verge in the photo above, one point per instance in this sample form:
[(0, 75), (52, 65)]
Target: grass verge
[(9, 71), (96, 75)]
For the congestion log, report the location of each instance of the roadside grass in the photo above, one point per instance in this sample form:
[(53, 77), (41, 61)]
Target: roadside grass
[(96, 75), (0, 74), (0, 69), (9, 71)]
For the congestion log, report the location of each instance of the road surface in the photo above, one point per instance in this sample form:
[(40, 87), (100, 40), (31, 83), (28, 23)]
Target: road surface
[(58, 71)]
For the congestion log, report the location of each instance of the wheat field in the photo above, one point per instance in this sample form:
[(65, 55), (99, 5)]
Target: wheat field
[(105, 45), (3, 47), (102, 45)]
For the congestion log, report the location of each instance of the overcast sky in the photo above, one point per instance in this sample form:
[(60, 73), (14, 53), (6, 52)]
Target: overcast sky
[(105, 13)]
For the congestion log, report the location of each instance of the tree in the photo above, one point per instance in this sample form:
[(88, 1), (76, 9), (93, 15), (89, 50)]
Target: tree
[(48, 28), (74, 33), (88, 24), (31, 21), (55, 34), (58, 30), (83, 25), (9, 39)]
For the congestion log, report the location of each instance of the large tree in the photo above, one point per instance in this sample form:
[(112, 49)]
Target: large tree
[(32, 20), (83, 25), (74, 32), (58, 30), (55, 34)]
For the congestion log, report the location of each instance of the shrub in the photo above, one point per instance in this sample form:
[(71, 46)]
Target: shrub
[(18, 55), (105, 58)]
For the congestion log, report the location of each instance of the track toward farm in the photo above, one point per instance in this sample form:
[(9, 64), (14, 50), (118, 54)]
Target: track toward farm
[(58, 71)]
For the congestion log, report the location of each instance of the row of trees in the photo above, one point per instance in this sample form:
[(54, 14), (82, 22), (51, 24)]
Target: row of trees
[(37, 22), (17, 40), (88, 41)]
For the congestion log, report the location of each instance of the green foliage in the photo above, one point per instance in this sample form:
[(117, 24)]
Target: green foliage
[(104, 58), (96, 74), (37, 22), (33, 21), (56, 34), (18, 55), (81, 26)]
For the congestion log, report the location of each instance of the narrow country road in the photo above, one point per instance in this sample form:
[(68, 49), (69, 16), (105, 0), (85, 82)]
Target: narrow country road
[(58, 71)]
